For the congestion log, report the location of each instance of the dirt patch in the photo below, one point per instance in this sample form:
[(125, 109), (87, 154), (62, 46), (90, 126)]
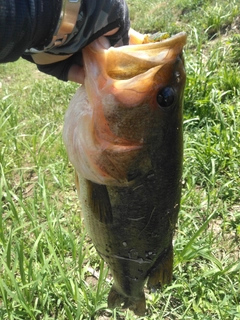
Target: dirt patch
[(227, 245), (235, 26)]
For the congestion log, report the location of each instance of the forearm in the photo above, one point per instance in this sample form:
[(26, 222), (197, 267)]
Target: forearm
[(25, 24)]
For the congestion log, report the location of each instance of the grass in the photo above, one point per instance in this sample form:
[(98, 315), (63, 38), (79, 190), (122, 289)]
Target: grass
[(46, 256)]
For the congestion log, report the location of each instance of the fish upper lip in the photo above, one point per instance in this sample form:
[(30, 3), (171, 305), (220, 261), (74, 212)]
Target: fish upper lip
[(180, 38)]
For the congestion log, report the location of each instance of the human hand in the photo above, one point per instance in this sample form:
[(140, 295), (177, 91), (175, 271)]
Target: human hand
[(107, 18), (46, 61)]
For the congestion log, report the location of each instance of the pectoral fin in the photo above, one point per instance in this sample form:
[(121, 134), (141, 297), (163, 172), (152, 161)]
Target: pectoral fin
[(99, 202)]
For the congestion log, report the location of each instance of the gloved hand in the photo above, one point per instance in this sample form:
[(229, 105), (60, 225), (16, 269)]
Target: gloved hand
[(96, 18)]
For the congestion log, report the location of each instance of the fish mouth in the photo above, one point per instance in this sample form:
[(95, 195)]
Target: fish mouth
[(126, 62), (136, 59)]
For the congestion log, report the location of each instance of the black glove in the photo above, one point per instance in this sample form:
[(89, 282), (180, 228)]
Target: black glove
[(95, 19)]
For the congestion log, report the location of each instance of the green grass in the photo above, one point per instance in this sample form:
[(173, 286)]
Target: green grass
[(46, 256)]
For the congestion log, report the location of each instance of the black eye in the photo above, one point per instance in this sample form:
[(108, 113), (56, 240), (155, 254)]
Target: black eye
[(166, 97)]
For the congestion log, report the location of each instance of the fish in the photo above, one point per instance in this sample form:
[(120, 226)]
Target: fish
[(123, 135)]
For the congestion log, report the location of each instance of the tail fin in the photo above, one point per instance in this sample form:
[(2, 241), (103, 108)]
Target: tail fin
[(137, 305)]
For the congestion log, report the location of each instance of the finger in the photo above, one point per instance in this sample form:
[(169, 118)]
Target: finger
[(111, 32)]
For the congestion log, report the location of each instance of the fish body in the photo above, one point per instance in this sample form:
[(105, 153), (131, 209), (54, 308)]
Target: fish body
[(123, 134)]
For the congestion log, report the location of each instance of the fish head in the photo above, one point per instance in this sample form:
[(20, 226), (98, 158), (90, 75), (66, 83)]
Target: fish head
[(131, 99)]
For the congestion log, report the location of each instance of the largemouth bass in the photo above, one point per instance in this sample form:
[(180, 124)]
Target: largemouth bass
[(123, 135)]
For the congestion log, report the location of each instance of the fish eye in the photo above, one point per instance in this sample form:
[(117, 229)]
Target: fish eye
[(166, 97)]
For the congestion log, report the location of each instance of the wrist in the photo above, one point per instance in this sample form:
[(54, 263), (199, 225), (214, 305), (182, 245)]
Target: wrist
[(44, 20)]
